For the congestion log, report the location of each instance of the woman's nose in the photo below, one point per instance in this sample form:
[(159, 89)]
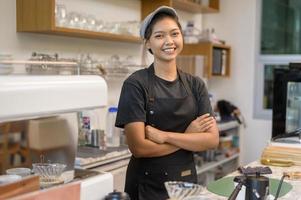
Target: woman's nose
[(168, 40)]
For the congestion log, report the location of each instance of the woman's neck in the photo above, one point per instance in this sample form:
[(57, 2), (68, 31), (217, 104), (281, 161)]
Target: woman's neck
[(166, 70)]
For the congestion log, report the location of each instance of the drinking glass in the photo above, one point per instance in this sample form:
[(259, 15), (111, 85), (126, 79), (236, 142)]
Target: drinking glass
[(91, 22), (60, 15), (99, 26), (73, 20)]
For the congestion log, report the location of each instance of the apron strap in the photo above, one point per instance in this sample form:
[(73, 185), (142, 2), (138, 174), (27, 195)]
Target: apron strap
[(151, 94), (185, 82), (188, 88)]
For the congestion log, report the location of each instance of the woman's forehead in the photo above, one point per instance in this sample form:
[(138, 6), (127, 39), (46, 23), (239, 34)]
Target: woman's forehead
[(166, 24)]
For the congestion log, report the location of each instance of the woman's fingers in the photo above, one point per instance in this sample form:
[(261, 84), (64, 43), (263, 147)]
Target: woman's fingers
[(202, 117), (206, 124)]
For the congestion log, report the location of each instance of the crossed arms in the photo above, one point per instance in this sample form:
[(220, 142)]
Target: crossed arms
[(147, 141)]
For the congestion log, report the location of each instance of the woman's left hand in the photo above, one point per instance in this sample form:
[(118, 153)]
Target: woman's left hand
[(154, 135), (200, 124)]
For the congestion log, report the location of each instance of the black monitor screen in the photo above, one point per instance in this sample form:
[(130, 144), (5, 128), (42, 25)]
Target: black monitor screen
[(287, 100)]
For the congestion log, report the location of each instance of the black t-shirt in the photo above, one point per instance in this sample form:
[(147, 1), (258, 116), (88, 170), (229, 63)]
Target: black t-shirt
[(134, 94)]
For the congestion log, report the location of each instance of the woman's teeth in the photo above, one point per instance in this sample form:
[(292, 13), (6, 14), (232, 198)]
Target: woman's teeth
[(169, 50)]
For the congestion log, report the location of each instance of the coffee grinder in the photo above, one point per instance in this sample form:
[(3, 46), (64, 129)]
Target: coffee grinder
[(257, 186)]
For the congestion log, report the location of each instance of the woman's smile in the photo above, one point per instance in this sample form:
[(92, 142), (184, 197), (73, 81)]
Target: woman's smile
[(169, 50), (166, 41)]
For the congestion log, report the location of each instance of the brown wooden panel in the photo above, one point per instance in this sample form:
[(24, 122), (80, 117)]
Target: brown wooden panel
[(192, 7), (147, 6), (19, 24), (26, 14), (70, 191), (95, 35), (25, 185), (35, 15), (214, 4), (45, 14), (206, 49)]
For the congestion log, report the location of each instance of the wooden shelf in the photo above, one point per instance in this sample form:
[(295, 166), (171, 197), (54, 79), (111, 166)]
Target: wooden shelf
[(94, 35), (148, 6), (206, 49), (190, 6), (38, 16)]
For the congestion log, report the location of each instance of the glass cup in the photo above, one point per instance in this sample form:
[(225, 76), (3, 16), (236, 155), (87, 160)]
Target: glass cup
[(60, 15), (83, 21), (73, 20), (99, 26), (91, 22)]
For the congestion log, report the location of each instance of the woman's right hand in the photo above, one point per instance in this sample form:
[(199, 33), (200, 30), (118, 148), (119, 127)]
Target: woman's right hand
[(200, 124)]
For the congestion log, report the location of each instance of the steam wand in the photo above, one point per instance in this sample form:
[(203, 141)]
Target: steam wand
[(241, 180)]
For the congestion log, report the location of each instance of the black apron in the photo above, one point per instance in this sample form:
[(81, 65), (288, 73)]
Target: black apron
[(146, 176)]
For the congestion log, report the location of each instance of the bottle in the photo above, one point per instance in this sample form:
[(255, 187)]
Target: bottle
[(112, 132), (191, 33), (84, 137), (189, 30)]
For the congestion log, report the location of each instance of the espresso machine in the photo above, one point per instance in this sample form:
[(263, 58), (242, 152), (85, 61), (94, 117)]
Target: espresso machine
[(50, 107)]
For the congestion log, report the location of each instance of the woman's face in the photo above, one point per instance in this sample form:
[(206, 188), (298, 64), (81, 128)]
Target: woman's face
[(166, 40)]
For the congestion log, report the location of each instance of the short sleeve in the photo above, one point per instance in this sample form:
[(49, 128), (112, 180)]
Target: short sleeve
[(131, 106), (202, 97)]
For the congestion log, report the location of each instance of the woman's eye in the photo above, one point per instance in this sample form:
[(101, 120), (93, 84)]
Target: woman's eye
[(159, 36), (175, 33)]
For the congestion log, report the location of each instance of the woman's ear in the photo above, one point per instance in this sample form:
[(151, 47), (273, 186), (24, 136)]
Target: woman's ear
[(147, 44)]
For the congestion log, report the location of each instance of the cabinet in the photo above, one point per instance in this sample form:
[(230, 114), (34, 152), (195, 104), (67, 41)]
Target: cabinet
[(219, 162), (148, 6), (216, 57), (38, 16)]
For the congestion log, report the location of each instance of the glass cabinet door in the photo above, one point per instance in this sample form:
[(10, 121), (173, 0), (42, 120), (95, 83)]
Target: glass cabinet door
[(293, 106)]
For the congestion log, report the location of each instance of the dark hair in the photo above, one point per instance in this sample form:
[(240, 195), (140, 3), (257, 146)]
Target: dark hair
[(158, 17)]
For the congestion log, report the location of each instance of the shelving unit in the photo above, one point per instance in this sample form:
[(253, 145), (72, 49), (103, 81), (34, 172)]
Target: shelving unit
[(185, 5), (210, 63), (221, 163), (190, 6), (38, 16), (211, 165), (227, 125)]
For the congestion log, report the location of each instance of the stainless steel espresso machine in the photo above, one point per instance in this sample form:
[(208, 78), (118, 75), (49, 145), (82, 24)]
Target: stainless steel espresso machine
[(48, 108)]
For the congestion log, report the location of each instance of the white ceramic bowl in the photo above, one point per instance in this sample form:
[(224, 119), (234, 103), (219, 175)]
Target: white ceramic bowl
[(4, 179), (19, 171)]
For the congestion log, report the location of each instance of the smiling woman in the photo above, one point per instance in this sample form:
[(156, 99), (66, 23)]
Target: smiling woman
[(165, 112), (166, 41)]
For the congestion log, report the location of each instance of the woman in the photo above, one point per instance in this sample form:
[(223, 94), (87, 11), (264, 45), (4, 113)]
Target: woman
[(166, 113)]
